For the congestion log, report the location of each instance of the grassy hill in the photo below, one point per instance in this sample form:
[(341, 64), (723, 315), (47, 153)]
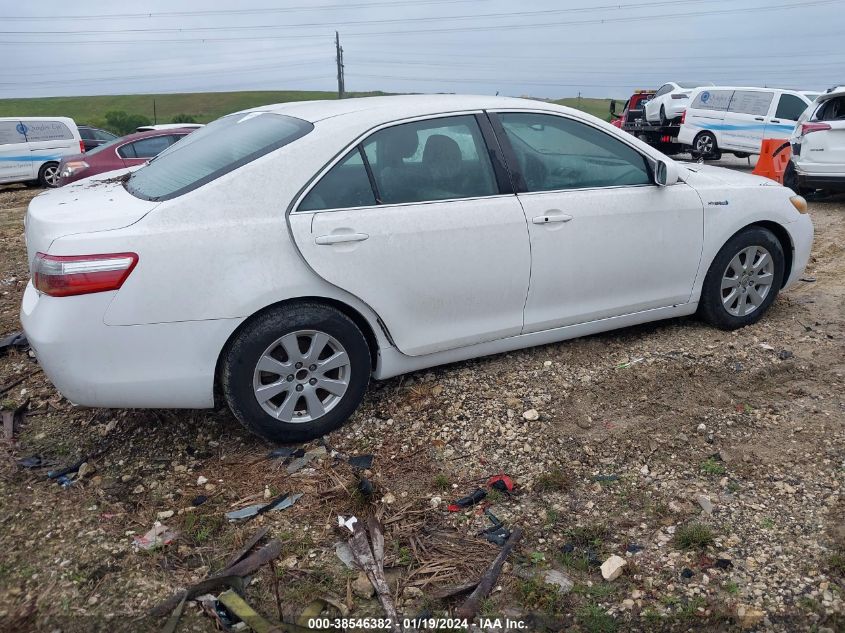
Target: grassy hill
[(203, 106)]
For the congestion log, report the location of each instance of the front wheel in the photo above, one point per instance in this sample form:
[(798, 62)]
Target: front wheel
[(48, 175), (295, 373), (743, 279), (704, 145)]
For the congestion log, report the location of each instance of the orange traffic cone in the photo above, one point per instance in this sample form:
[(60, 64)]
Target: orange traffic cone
[(774, 157)]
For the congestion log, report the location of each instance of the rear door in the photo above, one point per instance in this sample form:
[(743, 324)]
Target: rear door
[(416, 222), (825, 148), (787, 110), (15, 158), (748, 115)]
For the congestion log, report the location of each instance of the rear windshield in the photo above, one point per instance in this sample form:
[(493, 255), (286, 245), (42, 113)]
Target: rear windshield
[(210, 152), (690, 84)]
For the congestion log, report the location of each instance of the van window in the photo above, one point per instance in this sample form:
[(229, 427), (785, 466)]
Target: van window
[(46, 131), (755, 102), (790, 107), (344, 185), (216, 149), (11, 132), (717, 100)]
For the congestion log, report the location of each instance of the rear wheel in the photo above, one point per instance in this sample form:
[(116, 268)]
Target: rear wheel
[(790, 179), (663, 120), (743, 279), (704, 146), (295, 373), (48, 175)]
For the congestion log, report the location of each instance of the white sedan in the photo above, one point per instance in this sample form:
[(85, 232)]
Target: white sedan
[(670, 102), (281, 257)]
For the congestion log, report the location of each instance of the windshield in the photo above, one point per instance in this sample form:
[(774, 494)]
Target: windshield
[(211, 151), (691, 84)]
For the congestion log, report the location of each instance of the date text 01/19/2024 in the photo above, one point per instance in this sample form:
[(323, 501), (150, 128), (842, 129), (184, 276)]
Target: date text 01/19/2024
[(415, 623)]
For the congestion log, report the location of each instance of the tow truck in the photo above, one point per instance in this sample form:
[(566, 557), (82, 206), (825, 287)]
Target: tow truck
[(632, 120)]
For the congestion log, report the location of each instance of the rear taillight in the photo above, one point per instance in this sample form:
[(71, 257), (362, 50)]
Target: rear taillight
[(806, 128), (68, 275), (81, 147)]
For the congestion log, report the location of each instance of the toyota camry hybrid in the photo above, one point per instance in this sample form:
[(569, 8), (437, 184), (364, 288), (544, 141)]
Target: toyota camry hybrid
[(282, 256)]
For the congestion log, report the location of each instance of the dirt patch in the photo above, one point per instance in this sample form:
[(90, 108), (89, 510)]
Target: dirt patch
[(635, 427)]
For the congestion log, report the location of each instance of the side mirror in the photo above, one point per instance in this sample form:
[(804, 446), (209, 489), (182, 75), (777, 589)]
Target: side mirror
[(665, 173)]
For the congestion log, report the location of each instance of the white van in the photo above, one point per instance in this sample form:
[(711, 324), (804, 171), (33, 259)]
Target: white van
[(738, 119), (31, 148)]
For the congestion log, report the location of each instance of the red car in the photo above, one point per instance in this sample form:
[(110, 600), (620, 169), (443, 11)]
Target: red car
[(123, 152)]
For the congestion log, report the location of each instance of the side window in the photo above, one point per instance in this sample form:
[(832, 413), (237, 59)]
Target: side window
[(831, 110), (146, 147), (663, 90), (718, 100), (47, 131), (435, 159), (345, 185), (790, 107), (11, 132), (102, 135), (558, 153), (755, 102)]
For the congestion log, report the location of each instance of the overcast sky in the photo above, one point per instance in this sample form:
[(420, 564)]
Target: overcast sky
[(544, 48)]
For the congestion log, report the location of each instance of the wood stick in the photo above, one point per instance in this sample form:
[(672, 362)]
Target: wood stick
[(470, 606)]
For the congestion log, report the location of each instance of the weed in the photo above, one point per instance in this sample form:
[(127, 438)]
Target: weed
[(553, 481), (594, 619), (731, 587), (767, 524), (575, 561), (552, 516), (711, 466), (404, 556), (689, 610), (592, 535), (693, 536), (441, 481), (836, 562), (537, 558), (599, 591), (536, 594)]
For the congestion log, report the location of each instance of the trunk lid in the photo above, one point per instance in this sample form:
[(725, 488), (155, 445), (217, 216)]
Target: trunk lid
[(87, 206)]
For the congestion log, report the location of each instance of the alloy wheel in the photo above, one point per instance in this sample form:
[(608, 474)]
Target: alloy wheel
[(301, 376), (51, 175), (704, 145), (747, 280)]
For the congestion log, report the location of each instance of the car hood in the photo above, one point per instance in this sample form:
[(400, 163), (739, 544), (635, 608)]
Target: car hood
[(700, 174), (95, 204)]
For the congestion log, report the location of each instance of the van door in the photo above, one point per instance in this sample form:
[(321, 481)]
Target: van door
[(15, 160), (49, 140), (746, 119), (787, 110)]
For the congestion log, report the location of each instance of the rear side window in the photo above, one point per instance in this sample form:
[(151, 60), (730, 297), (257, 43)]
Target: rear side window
[(37, 131), (146, 147), (344, 185), (11, 132), (214, 150), (831, 110), (717, 100), (790, 107), (755, 102)]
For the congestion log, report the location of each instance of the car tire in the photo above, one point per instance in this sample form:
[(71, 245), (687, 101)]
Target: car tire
[(48, 175), (704, 146), (790, 179), (663, 120), (288, 402), (743, 279)]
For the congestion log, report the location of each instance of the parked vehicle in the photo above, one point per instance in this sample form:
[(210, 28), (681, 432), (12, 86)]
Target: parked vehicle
[(168, 126), (31, 148), (738, 119), (670, 101), (284, 255), (121, 153), (633, 109), (94, 137), (818, 146)]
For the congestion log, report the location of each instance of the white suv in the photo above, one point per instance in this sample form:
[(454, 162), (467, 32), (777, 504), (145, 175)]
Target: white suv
[(670, 101), (818, 146)]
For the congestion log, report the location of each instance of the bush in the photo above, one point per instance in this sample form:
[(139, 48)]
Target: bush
[(122, 123), (184, 118)]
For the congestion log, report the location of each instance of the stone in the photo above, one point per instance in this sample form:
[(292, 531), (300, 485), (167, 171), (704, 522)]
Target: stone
[(554, 577), (435, 502), (389, 498), (644, 470), (138, 489), (201, 481), (165, 514), (705, 503), (702, 428), (85, 469), (412, 593), (532, 415), (362, 587), (748, 617), (612, 568)]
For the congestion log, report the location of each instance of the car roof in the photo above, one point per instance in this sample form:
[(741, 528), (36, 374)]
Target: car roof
[(63, 119), (833, 94), (149, 133), (394, 108)]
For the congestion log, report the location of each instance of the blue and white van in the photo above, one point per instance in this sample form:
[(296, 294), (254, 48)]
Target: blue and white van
[(31, 148), (732, 119)]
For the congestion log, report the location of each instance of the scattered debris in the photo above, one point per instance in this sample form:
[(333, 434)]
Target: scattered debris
[(605, 479), (808, 279), (454, 590), (366, 487), (723, 563), (469, 500), (561, 580), (370, 557), (12, 420), (246, 614), (32, 462), (471, 605), (497, 533), (500, 482), (158, 536), (199, 500), (279, 503), (633, 548), (301, 462), (785, 354), (349, 523), (345, 554), (286, 452), (16, 340), (629, 363), (687, 573), (612, 568), (361, 461)]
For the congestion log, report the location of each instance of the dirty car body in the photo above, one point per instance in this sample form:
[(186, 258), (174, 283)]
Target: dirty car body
[(284, 255)]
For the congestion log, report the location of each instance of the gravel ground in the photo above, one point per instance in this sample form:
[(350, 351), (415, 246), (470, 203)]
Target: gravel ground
[(711, 462)]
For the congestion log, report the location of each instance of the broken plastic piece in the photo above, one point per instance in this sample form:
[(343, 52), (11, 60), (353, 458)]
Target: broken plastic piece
[(285, 452), (158, 535), (300, 462), (349, 523), (279, 503), (199, 500), (496, 533), (467, 501), (605, 478), (31, 462), (15, 339), (365, 487), (361, 461), (501, 482)]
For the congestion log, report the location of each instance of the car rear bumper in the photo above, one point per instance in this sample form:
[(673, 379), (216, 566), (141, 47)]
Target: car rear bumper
[(97, 365), (820, 175)]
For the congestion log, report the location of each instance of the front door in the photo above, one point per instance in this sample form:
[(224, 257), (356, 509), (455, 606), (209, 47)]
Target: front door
[(15, 160), (414, 222), (605, 241)]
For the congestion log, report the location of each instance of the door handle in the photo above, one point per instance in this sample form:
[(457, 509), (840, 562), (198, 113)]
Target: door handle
[(340, 238), (759, 118), (548, 219), (775, 120)]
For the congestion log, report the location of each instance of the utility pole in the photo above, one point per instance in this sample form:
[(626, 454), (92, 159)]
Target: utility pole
[(155, 119), (341, 88)]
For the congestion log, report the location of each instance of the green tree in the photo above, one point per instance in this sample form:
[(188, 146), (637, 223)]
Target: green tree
[(122, 123), (184, 118)]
